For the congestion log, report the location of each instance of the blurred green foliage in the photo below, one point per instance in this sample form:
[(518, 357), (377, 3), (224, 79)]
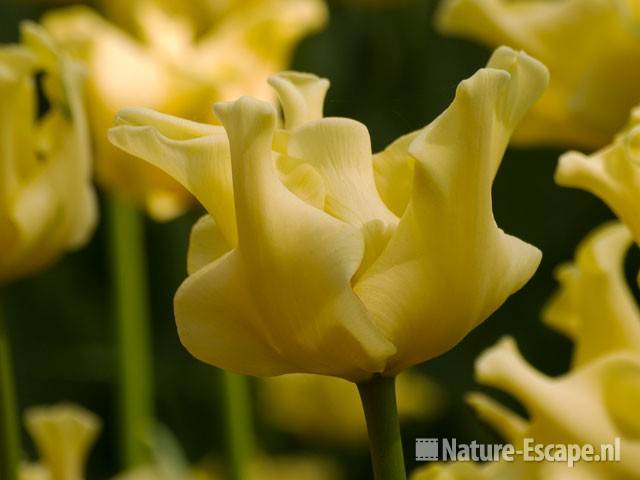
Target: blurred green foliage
[(390, 70)]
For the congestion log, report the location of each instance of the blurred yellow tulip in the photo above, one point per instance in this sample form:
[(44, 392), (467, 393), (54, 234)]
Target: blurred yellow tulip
[(63, 435), (591, 47), (612, 173), (167, 63), (596, 401), (47, 203), (318, 257), (328, 409), (33, 472), (261, 468)]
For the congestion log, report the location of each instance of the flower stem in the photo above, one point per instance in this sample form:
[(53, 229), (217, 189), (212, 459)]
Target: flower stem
[(378, 397), (238, 424), (129, 285), (9, 424)]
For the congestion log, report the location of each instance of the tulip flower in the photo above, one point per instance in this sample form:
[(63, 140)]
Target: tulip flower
[(169, 62), (592, 50), (595, 402), (63, 435), (314, 256), (319, 408), (612, 173), (47, 203)]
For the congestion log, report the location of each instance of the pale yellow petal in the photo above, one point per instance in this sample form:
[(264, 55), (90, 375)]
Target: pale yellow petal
[(612, 174), (449, 266), (393, 169), (194, 154), (206, 244), (510, 425), (63, 434), (301, 96), (595, 306), (340, 150)]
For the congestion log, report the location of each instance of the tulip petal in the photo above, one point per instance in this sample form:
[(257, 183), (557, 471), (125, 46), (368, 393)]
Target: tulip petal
[(508, 424), (296, 261), (194, 154), (206, 244), (63, 434), (594, 306), (219, 322), (301, 96), (340, 150), (393, 169), (612, 174), (448, 266)]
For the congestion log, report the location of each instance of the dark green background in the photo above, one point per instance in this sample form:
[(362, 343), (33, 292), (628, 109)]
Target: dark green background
[(390, 70)]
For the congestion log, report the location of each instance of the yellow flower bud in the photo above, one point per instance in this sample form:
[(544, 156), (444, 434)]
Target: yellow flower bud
[(592, 50), (314, 256), (47, 204), (169, 63), (63, 434)]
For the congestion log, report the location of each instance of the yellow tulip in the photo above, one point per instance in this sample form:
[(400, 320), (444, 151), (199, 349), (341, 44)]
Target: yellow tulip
[(63, 435), (167, 63), (47, 204), (596, 401), (594, 306), (315, 257), (318, 408), (612, 173), (592, 50)]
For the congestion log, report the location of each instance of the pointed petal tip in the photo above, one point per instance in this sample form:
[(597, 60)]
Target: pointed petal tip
[(491, 363)]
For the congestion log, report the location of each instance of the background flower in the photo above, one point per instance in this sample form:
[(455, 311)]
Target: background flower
[(47, 203), (592, 50), (169, 61)]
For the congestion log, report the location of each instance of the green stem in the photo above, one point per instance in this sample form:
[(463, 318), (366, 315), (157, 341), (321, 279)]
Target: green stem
[(129, 284), (9, 424), (238, 424), (378, 397)]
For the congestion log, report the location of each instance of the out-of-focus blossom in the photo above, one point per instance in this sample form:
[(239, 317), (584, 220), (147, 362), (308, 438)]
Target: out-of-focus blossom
[(592, 49), (168, 62), (318, 257), (47, 203), (63, 435), (596, 401), (261, 468), (328, 409), (612, 173)]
